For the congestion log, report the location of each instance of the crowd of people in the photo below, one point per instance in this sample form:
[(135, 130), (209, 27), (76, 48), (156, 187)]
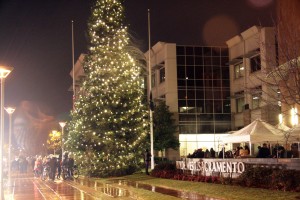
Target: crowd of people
[(54, 165), (264, 151)]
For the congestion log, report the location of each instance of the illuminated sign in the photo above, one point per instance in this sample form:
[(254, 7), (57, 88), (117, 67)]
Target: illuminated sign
[(211, 166)]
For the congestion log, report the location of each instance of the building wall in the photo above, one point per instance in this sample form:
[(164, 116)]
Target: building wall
[(196, 89), (251, 97), (288, 27)]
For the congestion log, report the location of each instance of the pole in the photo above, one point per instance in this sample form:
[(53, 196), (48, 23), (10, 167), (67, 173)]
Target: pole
[(73, 66), (2, 138), (9, 150), (62, 125), (62, 144), (150, 88), (10, 111)]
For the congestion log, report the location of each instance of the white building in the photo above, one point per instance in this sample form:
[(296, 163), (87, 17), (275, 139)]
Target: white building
[(250, 56), (194, 82)]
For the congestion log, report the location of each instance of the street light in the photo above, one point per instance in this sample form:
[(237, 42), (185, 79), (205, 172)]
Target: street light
[(10, 111), (4, 72), (62, 125)]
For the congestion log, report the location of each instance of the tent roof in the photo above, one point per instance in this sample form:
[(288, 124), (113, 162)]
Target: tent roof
[(256, 132)]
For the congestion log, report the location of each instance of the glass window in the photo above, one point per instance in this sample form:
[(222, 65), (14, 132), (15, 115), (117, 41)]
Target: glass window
[(162, 75), (181, 94), (200, 106), (198, 60), (225, 72), (217, 83), (216, 72), (226, 83), (199, 94), (190, 72), (191, 94), (207, 61), (226, 106), (239, 70), (217, 106), (181, 72), (224, 61), (199, 83), (256, 99), (217, 94), (198, 51), (189, 50), (240, 102), (181, 83), (198, 72), (190, 83), (180, 50), (255, 63), (153, 80), (216, 61), (207, 51), (180, 60), (190, 60)]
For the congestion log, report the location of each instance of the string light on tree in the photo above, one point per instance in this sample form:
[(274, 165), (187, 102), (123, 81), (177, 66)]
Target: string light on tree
[(108, 129)]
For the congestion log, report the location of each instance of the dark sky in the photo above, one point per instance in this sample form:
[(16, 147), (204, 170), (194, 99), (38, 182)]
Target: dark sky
[(35, 37)]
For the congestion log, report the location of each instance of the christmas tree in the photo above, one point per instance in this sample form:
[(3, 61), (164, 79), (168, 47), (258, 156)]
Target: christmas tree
[(108, 130)]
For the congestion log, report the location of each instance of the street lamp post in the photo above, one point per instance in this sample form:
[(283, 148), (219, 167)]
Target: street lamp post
[(4, 72), (62, 125), (10, 111), (150, 95)]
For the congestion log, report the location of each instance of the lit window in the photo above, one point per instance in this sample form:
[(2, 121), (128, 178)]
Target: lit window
[(239, 70), (256, 99)]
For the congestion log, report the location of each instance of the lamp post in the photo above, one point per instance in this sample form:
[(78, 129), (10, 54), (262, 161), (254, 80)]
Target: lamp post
[(4, 72), (10, 111), (62, 125), (150, 95)]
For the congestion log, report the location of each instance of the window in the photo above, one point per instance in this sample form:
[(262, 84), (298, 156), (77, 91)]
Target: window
[(255, 63), (162, 75), (153, 80), (239, 70), (240, 102), (256, 98)]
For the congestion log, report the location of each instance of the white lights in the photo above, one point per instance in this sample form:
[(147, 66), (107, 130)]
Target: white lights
[(280, 118), (294, 116)]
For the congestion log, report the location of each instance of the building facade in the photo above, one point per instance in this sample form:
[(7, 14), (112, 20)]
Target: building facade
[(251, 56), (288, 29), (194, 83)]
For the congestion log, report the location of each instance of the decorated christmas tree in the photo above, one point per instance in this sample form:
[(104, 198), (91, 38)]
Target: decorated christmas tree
[(107, 133)]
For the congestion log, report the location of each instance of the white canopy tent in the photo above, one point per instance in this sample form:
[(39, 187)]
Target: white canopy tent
[(256, 132), (294, 134)]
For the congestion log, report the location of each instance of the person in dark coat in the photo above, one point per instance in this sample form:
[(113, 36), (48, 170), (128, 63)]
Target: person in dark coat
[(147, 159), (263, 152), (53, 166)]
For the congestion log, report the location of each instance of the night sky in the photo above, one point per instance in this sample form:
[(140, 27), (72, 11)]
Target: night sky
[(35, 37)]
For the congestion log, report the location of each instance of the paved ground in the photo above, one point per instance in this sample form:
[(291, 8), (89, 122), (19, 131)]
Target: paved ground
[(26, 187)]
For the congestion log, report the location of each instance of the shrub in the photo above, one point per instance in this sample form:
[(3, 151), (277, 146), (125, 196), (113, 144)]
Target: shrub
[(279, 179)]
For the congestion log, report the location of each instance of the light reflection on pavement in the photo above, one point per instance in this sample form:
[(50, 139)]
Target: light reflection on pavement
[(26, 187)]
